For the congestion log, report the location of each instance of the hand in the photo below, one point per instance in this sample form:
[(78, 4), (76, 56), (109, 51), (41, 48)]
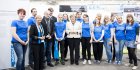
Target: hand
[(50, 37), (136, 42), (110, 43), (42, 38), (23, 43), (115, 41), (91, 41), (26, 42), (97, 40)]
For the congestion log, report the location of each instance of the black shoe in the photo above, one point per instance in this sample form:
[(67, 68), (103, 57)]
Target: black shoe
[(71, 63), (50, 64), (56, 63), (31, 66), (77, 63), (63, 63)]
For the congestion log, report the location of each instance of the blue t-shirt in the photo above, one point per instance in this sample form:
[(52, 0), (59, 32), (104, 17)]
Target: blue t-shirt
[(98, 31), (107, 29), (119, 30), (65, 21), (79, 20), (131, 31), (21, 29), (59, 29), (85, 29), (31, 21)]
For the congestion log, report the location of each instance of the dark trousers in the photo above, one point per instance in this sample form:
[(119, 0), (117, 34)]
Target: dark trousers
[(98, 50), (132, 56), (53, 42), (48, 50), (86, 47), (62, 48), (74, 47), (30, 55), (66, 48), (113, 50), (38, 54)]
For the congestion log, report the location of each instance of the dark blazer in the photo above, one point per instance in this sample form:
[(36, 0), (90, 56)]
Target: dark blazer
[(33, 34), (44, 24)]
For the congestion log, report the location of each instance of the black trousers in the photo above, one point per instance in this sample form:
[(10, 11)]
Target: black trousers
[(66, 48), (113, 50), (98, 50), (86, 47), (132, 56), (30, 55), (38, 54), (62, 48), (74, 47)]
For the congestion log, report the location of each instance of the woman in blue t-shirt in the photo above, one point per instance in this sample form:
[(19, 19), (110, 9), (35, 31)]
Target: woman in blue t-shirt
[(59, 33), (108, 27), (132, 29), (86, 35), (20, 38), (97, 39), (66, 20), (119, 36)]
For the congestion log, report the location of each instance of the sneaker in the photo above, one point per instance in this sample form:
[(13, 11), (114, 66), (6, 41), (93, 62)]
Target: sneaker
[(56, 63), (98, 62), (129, 65), (50, 64), (119, 63), (95, 61), (85, 61), (89, 61), (134, 67), (116, 62), (63, 63), (109, 61)]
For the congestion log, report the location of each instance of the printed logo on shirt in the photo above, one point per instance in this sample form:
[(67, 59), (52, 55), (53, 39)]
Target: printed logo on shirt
[(129, 28), (120, 28)]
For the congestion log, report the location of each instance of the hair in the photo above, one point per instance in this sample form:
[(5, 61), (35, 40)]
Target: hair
[(105, 18), (86, 16), (132, 22), (33, 9), (99, 23), (51, 9), (67, 16), (21, 10), (78, 12)]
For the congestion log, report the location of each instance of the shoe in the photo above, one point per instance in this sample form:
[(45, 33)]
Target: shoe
[(84, 62), (77, 63), (119, 63), (50, 64), (129, 65), (98, 61), (56, 63), (95, 61), (71, 62), (66, 59), (109, 61), (89, 61), (63, 63), (116, 62), (134, 67)]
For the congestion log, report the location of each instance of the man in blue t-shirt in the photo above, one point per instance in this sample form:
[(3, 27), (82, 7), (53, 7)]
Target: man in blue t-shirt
[(31, 21), (78, 17)]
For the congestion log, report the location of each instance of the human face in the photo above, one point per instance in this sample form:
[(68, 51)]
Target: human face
[(79, 15), (34, 12), (21, 15), (119, 19), (72, 18), (85, 18), (106, 19), (65, 17), (60, 17), (129, 19), (38, 19)]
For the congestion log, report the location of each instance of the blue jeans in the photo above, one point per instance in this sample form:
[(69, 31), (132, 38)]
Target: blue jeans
[(108, 48), (20, 52), (119, 49)]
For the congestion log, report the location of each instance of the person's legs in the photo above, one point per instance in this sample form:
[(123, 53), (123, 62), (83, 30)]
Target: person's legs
[(108, 49), (133, 55), (83, 41), (19, 52), (30, 56), (36, 49), (100, 50), (77, 48), (62, 49), (121, 46), (66, 48), (41, 56), (130, 55), (88, 46), (95, 51), (117, 46), (23, 61), (70, 41)]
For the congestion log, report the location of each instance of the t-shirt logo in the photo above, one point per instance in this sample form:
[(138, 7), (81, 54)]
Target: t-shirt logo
[(120, 28), (129, 28)]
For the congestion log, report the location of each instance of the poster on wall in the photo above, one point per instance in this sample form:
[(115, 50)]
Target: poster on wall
[(72, 8)]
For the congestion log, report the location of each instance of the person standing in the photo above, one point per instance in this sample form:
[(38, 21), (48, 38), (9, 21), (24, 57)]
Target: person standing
[(48, 31), (20, 38), (78, 16), (73, 30), (66, 20), (59, 32), (108, 27), (31, 21), (97, 40), (132, 32), (119, 39), (37, 43), (86, 36)]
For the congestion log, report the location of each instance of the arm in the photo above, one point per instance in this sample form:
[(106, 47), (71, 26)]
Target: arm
[(28, 35), (14, 34), (101, 35)]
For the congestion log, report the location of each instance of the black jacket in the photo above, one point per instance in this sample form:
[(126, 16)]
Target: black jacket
[(44, 24), (33, 34)]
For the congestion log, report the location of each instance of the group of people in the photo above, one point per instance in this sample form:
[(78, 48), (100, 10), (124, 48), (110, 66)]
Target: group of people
[(45, 34)]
